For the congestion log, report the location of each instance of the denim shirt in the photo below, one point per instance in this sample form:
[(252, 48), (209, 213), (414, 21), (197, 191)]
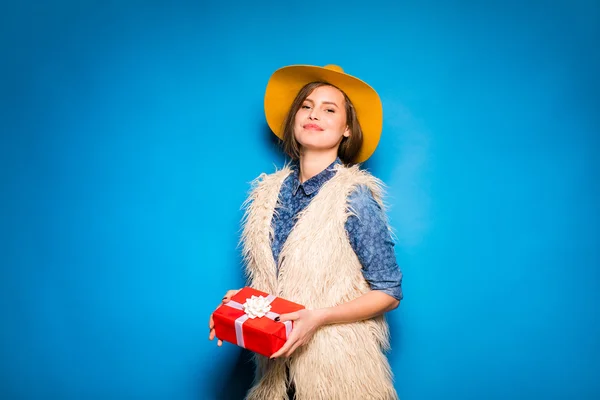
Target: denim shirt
[(367, 231)]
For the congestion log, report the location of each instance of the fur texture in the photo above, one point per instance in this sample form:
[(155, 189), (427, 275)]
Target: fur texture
[(318, 268)]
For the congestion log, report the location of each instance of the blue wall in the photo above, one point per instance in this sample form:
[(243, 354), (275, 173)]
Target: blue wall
[(130, 132)]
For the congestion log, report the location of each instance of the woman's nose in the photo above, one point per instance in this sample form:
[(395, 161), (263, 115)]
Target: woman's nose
[(313, 114)]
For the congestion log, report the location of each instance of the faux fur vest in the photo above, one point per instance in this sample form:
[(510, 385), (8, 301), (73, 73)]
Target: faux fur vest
[(317, 268)]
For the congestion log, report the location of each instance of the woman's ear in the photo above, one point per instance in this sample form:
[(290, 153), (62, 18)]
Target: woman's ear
[(347, 132)]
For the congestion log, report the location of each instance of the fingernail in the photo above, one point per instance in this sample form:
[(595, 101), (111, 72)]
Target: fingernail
[(276, 319)]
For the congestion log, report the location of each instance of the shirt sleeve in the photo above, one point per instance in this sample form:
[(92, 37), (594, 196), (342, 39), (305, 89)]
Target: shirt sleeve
[(372, 242)]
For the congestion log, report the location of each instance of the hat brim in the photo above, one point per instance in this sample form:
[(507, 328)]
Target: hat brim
[(286, 82)]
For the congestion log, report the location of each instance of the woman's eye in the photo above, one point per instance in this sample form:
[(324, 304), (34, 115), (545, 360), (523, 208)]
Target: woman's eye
[(330, 110), (305, 107)]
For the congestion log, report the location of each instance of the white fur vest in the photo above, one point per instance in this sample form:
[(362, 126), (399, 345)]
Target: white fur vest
[(317, 268)]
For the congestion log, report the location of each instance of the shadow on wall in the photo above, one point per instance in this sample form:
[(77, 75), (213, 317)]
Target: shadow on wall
[(233, 376), (235, 383), (238, 374)]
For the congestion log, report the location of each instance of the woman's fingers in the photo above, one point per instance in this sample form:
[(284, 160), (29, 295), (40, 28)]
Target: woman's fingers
[(288, 317), (293, 349), (229, 295), (286, 346)]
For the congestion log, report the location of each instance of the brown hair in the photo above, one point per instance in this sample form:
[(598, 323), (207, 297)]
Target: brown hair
[(349, 147)]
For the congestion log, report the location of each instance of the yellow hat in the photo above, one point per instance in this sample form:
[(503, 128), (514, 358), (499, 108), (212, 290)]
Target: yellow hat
[(286, 82)]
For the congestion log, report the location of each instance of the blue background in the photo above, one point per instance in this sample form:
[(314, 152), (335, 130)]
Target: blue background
[(130, 132)]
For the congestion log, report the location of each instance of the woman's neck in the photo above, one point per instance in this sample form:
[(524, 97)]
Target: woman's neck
[(312, 164)]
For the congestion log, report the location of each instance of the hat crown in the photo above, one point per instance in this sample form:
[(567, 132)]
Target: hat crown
[(335, 68)]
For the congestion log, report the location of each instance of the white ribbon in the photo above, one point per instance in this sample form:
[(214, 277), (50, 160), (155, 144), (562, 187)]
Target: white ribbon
[(239, 331)]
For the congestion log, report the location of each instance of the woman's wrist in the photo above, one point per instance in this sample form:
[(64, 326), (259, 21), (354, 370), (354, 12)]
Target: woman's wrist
[(322, 315)]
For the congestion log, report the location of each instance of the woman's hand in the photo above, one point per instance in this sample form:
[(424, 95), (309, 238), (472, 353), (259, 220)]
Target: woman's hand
[(306, 323), (211, 324)]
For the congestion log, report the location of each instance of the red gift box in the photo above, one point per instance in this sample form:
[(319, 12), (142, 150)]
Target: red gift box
[(261, 334)]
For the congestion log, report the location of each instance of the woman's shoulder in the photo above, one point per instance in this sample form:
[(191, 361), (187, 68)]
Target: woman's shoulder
[(362, 197), (278, 175), (363, 185), (266, 185)]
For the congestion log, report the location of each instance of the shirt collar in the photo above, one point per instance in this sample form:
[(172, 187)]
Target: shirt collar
[(314, 184)]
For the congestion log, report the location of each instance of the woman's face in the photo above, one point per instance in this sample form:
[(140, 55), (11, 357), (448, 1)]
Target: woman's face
[(320, 123)]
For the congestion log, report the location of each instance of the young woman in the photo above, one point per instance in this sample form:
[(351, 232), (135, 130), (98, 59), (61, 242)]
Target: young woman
[(315, 233)]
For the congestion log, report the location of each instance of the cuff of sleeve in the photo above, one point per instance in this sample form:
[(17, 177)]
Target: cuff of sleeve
[(394, 292)]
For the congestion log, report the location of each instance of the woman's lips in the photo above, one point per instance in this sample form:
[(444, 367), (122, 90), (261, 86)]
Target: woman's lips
[(313, 127)]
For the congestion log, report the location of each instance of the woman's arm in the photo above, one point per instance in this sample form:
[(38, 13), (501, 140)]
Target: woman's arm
[(367, 306), (307, 322)]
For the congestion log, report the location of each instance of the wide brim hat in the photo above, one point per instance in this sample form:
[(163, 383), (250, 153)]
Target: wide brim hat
[(286, 82)]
